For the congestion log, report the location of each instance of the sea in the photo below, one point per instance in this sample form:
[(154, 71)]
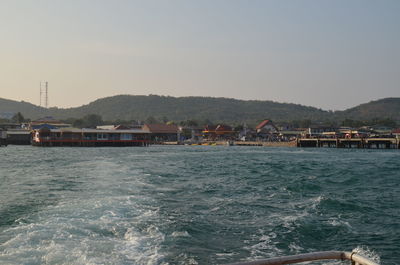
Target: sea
[(195, 204)]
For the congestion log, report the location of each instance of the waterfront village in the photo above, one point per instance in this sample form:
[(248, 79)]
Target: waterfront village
[(51, 132)]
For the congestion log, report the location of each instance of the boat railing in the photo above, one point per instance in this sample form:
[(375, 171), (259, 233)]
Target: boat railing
[(356, 259)]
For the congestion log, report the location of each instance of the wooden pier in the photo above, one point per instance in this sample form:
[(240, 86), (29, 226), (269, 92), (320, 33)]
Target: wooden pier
[(368, 143), (267, 144)]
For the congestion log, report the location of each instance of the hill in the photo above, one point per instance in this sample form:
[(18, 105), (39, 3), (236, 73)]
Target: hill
[(128, 107), (26, 108), (388, 108)]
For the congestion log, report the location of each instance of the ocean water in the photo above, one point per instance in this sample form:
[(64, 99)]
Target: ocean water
[(195, 204)]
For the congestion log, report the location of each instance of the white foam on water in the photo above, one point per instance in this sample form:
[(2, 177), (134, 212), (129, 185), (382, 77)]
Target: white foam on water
[(289, 218), (264, 247), (338, 222), (227, 254), (180, 234), (215, 209), (368, 253), (294, 248), (184, 259), (114, 230)]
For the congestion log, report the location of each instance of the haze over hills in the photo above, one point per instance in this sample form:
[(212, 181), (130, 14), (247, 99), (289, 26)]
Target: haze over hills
[(129, 107)]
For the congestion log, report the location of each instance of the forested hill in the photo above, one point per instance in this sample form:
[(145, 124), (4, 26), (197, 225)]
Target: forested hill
[(128, 107), (388, 108), (26, 108)]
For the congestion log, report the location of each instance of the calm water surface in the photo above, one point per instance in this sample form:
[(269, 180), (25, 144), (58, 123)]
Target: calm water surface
[(195, 204)]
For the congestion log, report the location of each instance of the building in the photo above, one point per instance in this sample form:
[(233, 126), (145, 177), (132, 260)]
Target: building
[(266, 126), (89, 137), (290, 135), (16, 134), (114, 127), (9, 126), (18, 137), (396, 133), (191, 133), (47, 122), (247, 134), (319, 130), (162, 132), (267, 131), (218, 132)]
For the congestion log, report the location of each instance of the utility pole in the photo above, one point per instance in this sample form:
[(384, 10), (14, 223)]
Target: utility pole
[(44, 98)]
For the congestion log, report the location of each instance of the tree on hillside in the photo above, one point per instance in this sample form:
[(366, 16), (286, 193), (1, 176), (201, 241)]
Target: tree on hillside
[(301, 123), (238, 128), (92, 120), (190, 123), (352, 123), (18, 118), (170, 123), (164, 119), (151, 120), (78, 123), (384, 122), (88, 121)]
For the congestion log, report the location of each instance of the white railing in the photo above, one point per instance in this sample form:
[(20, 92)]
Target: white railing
[(356, 259)]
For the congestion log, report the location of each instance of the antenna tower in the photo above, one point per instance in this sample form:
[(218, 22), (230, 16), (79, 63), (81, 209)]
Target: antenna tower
[(44, 89)]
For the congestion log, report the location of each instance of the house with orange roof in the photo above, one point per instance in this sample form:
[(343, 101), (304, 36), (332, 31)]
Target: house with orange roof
[(218, 132)]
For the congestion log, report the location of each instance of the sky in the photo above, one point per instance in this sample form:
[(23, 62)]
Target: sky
[(327, 54)]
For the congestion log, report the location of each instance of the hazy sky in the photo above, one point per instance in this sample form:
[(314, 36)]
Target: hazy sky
[(328, 54)]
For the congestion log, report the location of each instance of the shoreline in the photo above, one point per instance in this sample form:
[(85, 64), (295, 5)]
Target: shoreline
[(237, 143)]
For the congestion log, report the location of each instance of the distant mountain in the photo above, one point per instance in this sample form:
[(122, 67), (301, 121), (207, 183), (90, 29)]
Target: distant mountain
[(128, 107), (378, 109), (26, 108)]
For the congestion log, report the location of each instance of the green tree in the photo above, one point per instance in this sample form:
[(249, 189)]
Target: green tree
[(238, 128), (301, 123), (352, 123), (18, 118), (164, 119), (384, 122), (92, 120), (151, 120), (189, 123), (78, 123)]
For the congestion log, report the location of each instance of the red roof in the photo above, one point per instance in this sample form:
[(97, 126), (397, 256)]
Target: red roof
[(396, 131), (220, 128), (224, 128), (161, 128), (210, 128), (263, 123)]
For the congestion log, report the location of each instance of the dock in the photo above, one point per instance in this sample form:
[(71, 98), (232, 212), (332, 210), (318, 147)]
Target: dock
[(18, 137), (267, 144), (367, 143)]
